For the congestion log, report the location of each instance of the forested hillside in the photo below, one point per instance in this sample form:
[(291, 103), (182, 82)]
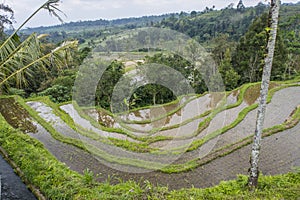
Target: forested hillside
[(202, 25), (235, 37)]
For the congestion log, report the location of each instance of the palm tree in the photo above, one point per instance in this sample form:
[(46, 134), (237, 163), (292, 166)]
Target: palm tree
[(254, 172), (17, 58)]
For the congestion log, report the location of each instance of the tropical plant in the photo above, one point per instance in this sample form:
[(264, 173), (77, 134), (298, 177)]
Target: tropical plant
[(17, 58)]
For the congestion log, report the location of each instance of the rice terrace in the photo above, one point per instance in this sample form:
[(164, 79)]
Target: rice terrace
[(185, 105)]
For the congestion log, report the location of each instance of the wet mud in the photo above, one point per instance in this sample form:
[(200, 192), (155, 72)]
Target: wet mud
[(15, 115)]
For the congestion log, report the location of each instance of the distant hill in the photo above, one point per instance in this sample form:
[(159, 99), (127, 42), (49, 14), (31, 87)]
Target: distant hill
[(70, 27), (92, 31), (202, 25), (209, 23)]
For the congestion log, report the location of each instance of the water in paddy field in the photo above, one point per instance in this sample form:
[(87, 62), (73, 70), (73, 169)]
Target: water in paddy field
[(279, 155), (12, 186)]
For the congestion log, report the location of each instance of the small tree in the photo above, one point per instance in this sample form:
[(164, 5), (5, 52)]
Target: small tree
[(229, 75), (254, 172)]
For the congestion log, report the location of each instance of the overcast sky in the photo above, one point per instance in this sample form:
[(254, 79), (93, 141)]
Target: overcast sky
[(112, 9)]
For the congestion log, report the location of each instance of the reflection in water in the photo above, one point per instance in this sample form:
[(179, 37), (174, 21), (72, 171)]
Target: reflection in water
[(154, 112), (70, 110), (102, 117), (191, 110), (222, 119), (159, 117), (275, 114), (233, 97)]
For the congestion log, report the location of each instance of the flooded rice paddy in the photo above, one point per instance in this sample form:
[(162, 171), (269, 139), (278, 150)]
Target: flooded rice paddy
[(284, 145)]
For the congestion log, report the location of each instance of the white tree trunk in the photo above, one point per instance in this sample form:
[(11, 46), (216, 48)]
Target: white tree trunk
[(254, 172)]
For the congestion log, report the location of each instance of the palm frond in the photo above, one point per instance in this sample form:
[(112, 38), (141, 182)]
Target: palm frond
[(52, 58), (52, 7), (9, 46), (13, 50), (24, 53), (17, 57), (6, 8)]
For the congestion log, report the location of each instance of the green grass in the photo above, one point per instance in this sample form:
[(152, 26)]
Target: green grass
[(285, 186), (54, 179)]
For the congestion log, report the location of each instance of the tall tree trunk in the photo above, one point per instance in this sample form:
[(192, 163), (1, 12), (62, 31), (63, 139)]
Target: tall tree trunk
[(254, 172)]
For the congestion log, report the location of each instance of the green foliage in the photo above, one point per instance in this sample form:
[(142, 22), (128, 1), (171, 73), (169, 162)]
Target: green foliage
[(59, 89), (248, 59), (151, 94), (107, 83), (88, 177), (132, 146), (57, 93), (229, 75), (18, 58), (184, 67), (274, 187), (209, 23), (16, 91)]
